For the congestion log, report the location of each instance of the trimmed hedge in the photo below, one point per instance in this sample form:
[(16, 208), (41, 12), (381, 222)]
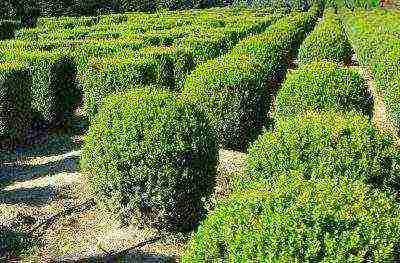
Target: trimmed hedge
[(55, 90), (387, 78), (325, 145), (15, 100), (298, 220), (108, 75), (374, 36), (148, 153), (233, 89), (327, 42), (164, 66), (322, 86), (7, 29)]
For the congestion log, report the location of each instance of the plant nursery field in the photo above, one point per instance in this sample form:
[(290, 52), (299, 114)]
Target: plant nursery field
[(226, 134)]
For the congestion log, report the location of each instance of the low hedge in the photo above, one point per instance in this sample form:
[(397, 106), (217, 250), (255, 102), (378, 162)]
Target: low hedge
[(322, 85), (327, 42), (324, 145), (374, 36), (148, 153), (108, 75), (233, 89), (164, 66), (387, 78), (7, 29), (15, 100), (55, 89), (299, 220)]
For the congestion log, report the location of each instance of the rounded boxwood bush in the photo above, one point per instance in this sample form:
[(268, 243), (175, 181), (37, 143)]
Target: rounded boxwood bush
[(322, 85), (298, 220), (148, 153), (327, 144), (327, 42), (15, 100)]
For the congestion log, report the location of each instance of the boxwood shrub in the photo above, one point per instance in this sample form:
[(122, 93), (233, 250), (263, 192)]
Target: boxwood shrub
[(327, 42), (298, 220), (233, 89), (148, 153), (325, 145), (55, 89), (15, 100), (105, 76), (374, 36), (322, 85), (387, 79), (165, 66), (7, 29)]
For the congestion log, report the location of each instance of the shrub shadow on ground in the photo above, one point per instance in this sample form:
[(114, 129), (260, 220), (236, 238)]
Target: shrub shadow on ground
[(20, 172), (41, 141), (35, 196)]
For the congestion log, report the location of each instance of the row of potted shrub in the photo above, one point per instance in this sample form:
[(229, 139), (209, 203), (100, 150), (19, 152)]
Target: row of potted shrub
[(319, 187)]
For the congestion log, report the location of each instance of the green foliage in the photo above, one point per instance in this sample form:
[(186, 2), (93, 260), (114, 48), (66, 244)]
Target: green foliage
[(55, 89), (296, 220), (387, 78), (7, 29), (146, 151), (233, 89), (325, 145), (109, 75), (22, 9), (15, 100), (375, 38), (164, 66), (15, 243), (352, 4), (288, 6), (322, 86), (327, 42)]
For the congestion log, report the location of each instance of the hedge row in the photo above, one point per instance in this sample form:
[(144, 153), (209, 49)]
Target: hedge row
[(140, 29), (313, 191), (233, 89), (55, 91), (150, 156), (15, 100), (322, 85), (166, 66), (320, 187), (325, 145), (298, 220), (31, 9), (327, 42), (375, 39)]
